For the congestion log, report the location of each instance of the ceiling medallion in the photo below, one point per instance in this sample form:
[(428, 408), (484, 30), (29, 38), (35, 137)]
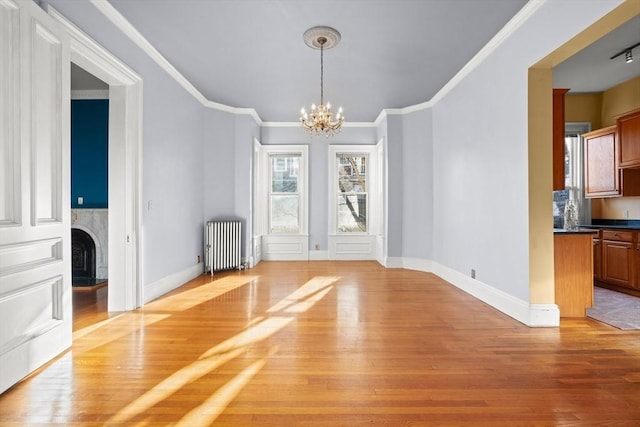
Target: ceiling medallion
[(320, 120)]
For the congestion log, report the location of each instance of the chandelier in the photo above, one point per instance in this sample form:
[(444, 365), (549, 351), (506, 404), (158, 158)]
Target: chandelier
[(320, 120)]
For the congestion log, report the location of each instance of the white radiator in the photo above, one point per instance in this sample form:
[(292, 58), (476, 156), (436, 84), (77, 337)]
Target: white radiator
[(222, 244)]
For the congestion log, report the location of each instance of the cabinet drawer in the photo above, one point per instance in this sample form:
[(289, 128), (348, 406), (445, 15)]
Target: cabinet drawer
[(618, 235)]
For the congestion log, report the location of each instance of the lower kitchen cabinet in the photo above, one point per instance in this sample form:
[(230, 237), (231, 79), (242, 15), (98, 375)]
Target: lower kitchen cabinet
[(638, 262), (619, 259), (573, 263), (597, 257)]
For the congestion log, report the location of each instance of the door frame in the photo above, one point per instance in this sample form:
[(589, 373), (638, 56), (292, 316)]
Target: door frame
[(125, 164)]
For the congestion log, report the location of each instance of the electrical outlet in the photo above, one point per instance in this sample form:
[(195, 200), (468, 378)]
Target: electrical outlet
[(317, 247), (198, 259), (80, 200), (473, 273), (625, 214)]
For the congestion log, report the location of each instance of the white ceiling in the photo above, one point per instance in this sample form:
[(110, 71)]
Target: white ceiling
[(250, 53), (592, 70), (393, 53)]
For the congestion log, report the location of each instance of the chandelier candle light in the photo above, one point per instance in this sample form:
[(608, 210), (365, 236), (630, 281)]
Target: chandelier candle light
[(320, 121)]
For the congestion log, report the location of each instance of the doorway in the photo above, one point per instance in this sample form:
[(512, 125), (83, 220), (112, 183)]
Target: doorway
[(125, 165), (89, 197)]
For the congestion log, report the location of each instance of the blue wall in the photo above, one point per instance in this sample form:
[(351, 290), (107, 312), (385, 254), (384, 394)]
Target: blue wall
[(89, 152)]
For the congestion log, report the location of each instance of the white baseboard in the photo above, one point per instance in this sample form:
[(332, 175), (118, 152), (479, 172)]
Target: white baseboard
[(418, 264), (544, 315), (160, 287), (534, 315), (393, 262), (318, 255)]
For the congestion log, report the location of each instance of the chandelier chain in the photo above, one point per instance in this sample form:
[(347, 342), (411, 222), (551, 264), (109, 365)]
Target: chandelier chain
[(322, 73)]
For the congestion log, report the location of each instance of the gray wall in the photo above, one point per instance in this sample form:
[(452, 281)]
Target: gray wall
[(417, 185), (218, 162), (395, 185), (480, 151)]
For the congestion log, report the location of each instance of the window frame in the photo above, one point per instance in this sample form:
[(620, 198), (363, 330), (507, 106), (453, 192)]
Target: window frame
[(373, 225), (280, 163), (264, 187)]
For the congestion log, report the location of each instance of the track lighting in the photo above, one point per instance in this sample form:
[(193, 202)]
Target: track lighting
[(628, 56)]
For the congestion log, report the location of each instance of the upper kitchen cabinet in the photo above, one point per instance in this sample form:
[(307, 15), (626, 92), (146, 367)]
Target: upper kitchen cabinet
[(603, 177), (559, 152), (629, 135)]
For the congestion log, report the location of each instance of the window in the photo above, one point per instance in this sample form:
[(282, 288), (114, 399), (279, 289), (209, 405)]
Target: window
[(280, 202), (284, 195), (351, 193), (355, 202), (574, 177)]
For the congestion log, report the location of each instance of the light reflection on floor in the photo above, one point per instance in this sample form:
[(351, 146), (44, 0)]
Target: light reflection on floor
[(280, 315)]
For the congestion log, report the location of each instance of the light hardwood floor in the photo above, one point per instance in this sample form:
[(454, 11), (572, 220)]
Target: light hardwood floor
[(330, 344)]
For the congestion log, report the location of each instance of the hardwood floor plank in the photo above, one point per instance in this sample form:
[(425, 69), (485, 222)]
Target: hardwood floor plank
[(329, 343)]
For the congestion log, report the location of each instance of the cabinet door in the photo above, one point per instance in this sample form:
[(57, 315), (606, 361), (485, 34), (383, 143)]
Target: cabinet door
[(601, 172), (629, 134), (637, 265), (617, 262), (597, 259), (559, 162)]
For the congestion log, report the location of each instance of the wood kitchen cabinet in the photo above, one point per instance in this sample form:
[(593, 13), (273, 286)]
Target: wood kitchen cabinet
[(597, 257), (629, 135), (618, 258), (637, 265), (559, 158), (573, 262), (603, 178)]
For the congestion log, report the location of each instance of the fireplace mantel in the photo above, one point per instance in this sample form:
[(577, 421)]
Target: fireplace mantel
[(95, 222)]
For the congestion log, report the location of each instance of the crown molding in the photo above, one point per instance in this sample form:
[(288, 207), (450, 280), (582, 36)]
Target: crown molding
[(135, 36), (130, 31), (514, 23)]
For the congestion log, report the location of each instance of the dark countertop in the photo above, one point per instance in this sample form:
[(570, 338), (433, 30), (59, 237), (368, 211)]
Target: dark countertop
[(626, 224), (613, 227), (578, 231)]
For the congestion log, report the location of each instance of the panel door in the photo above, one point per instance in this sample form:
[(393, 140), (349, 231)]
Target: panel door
[(35, 269), (617, 261), (601, 171)]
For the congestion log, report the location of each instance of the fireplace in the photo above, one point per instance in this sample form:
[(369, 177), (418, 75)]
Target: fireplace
[(89, 242), (83, 256)]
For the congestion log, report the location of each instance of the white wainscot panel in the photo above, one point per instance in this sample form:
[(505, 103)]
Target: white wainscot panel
[(358, 247), (29, 312), (285, 248)]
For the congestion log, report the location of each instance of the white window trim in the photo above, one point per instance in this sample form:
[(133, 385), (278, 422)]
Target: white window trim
[(279, 246), (363, 245)]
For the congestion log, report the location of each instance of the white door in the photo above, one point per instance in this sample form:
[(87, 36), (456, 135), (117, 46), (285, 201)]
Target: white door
[(35, 239)]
